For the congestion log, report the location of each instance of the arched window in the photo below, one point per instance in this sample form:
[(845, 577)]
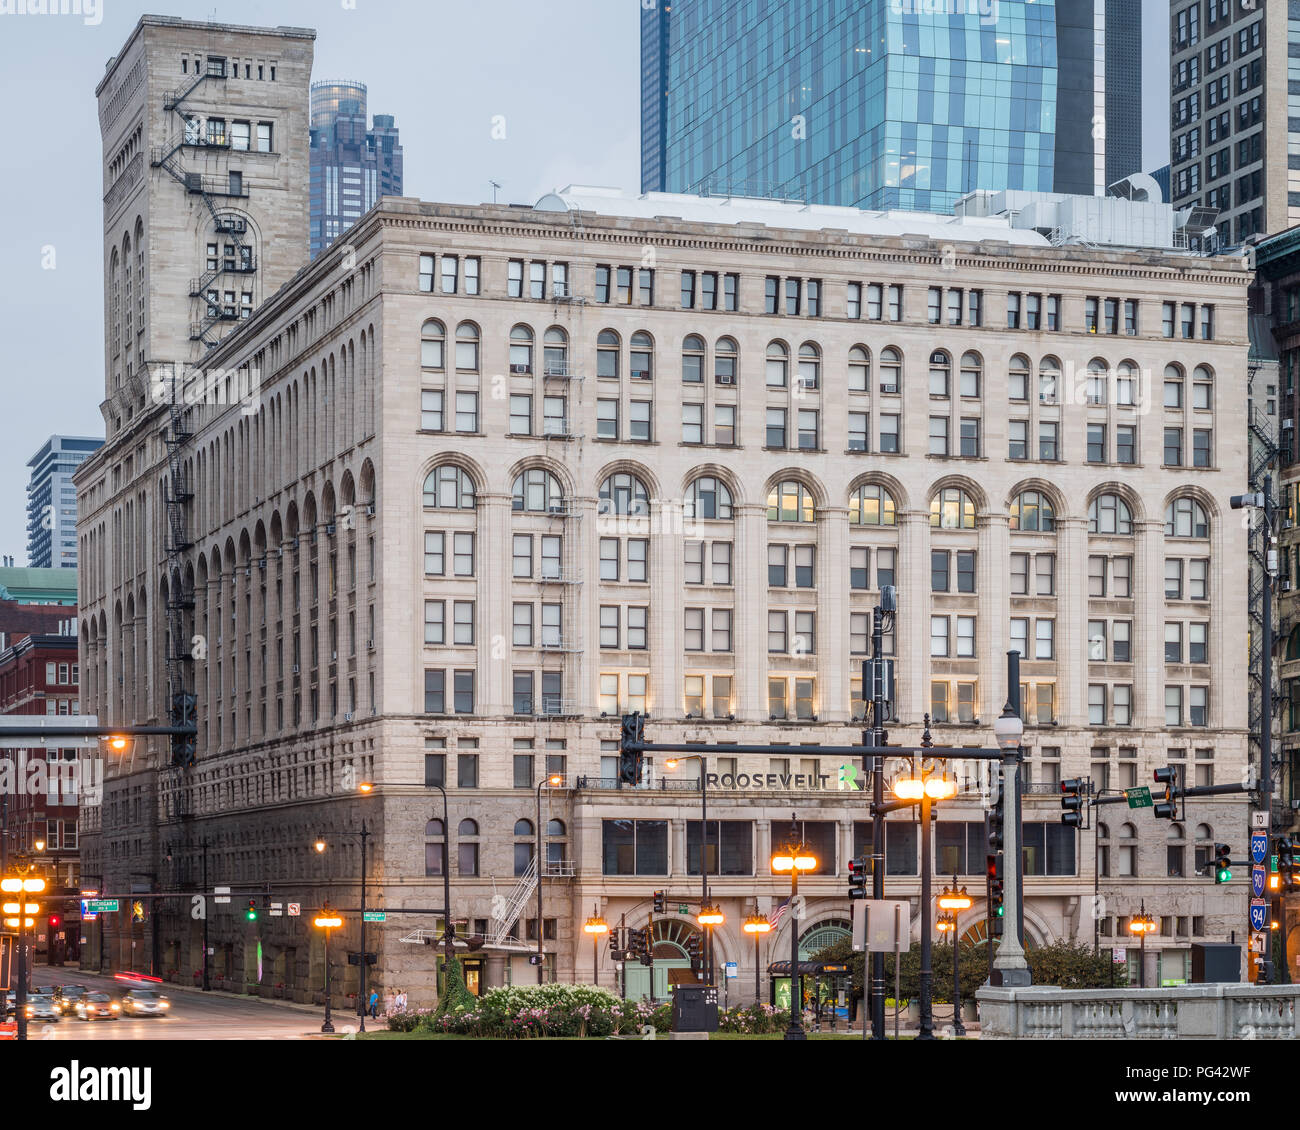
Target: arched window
[(1103, 849), (693, 360), (1293, 644), (433, 342), (607, 349), (1109, 514), (725, 360), (940, 373), (1049, 380), (555, 353), (556, 828), (1173, 386), (641, 361), (1126, 383), (467, 339), (708, 497), (790, 501), (859, 369), (1127, 851), (778, 363), (521, 350), (1185, 518), (467, 828), (972, 369), (449, 488), (435, 828), (891, 370), (536, 490), (622, 493), (1203, 387), (467, 850), (810, 366), (523, 827), (1018, 377), (871, 505), (1097, 373), (1176, 851), (523, 847), (1032, 510), (952, 509)]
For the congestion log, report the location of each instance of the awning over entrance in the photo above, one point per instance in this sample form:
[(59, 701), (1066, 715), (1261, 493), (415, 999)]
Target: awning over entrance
[(808, 969)]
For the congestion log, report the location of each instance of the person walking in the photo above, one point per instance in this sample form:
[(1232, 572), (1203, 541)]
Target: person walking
[(389, 998), (374, 1005), (400, 1003)]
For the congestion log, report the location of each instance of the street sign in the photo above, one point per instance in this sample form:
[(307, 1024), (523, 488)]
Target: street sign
[(877, 921), (1258, 914), (221, 894), (534, 959), (1257, 880), (1139, 797), (295, 910), (1258, 846), (372, 916), (683, 909), (1118, 953), (732, 969), (103, 906), (1257, 943), (1259, 820), (277, 910), (87, 915)]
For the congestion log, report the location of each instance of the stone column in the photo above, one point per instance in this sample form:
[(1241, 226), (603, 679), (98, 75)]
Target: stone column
[(1071, 621), (495, 555), (580, 560), (993, 557), (912, 624), (833, 614), (1148, 624), (749, 572), (665, 621)]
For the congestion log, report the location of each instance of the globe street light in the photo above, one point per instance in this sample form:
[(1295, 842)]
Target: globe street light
[(595, 926), (954, 901), (327, 920), (553, 781), (1010, 965), (757, 925), (1142, 925), (794, 857)]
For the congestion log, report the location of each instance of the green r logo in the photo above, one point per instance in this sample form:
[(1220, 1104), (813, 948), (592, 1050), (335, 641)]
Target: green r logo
[(848, 777)]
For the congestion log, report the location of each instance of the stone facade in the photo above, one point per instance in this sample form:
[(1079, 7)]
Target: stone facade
[(389, 410)]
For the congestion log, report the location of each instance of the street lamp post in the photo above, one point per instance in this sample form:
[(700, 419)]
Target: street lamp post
[(327, 920), (595, 926), (1010, 965), (794, 858), (554, 781), (673, 763), (926, 788), (22, 887), (757, 925), (320, 845), (207, 911), (1142, 925), (953, 900)]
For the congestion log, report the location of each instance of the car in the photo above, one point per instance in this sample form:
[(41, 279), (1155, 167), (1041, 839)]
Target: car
[(144, 1002), (68, 995), (97, 1006), (43, 1006), (7, 1004)]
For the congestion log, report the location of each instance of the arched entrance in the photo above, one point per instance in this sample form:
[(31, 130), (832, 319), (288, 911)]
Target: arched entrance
[(670, 935), (823, 934)]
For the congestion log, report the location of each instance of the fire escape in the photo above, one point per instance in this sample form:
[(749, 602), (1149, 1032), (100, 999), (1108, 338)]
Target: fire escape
[(235, 257), (180, 595), (1263, 459)]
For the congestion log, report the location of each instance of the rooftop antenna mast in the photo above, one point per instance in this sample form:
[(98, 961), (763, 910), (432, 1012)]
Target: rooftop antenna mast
[(495, 185)]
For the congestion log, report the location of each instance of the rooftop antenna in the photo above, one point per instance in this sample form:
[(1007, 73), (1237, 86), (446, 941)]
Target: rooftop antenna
[(495, 185)]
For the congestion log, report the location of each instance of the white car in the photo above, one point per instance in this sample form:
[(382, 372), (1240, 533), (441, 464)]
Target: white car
[(144, 1002)]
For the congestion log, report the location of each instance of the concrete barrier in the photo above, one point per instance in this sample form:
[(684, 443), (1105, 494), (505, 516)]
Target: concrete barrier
[(1186, 1012)]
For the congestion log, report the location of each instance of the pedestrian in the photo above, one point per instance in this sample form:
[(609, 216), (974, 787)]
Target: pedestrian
[(401, 1000), (388, 1002), (374, 1004)]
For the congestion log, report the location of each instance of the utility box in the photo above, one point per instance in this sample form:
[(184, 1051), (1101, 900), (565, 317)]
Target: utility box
[(1215, 962), (695, 1008)]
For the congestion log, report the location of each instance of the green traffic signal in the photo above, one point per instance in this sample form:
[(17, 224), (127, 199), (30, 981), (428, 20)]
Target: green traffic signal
[(1000, 911), (1222, 875), (251, 913)]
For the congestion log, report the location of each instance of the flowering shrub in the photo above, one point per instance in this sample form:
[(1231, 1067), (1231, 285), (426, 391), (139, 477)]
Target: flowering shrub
[(754, 1019), (526, 1012), (409, 1021)]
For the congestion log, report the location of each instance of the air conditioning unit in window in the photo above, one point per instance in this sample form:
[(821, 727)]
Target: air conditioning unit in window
[(294, 669), (1285, 585), (891, 388), (724, 379), (370, 645), (348, 716), (1287, 425)]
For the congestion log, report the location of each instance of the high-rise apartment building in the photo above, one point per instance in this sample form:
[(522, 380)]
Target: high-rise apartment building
[(886, 104), (52, 501), (1231, 144), (351, 166)]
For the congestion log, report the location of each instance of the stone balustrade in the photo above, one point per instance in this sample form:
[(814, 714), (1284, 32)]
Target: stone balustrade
[(1186, 1012)]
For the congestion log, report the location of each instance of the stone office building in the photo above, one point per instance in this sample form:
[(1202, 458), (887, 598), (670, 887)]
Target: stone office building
[(541, 431)]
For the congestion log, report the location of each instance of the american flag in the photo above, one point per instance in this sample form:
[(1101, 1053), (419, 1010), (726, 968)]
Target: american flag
[(779, 913)]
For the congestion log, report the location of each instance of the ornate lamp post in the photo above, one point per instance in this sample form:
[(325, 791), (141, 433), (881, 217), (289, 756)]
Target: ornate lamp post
[(794, 857), (954, 901), (327, 920), (1142, 925), (596, 926), (757, 925)]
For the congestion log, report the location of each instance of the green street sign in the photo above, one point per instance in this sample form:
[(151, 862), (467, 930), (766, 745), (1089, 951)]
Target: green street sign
[(1272, 863), (682, 908), (373, 916), (1139, 797), (101, 906)]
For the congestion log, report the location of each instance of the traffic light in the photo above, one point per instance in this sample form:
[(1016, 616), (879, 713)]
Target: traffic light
[(55, 921), (997, 821), (661, 901), (183, 746), (1075, 790), (1288, 862), (251, 912), (1167, 809), (858, 870), (630, 760), (137, 910), (1222, 863), (996, 911), (693, 951)]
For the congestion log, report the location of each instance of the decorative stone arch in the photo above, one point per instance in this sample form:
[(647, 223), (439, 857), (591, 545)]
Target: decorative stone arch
[(366, 483), (1198, 494), (1131, 498), (880, 479), (724, 475), (290, 521), (277, 530), (1044, 487), (328, 501), (648, 479), (961, 482), (798, 474), (541, 463)]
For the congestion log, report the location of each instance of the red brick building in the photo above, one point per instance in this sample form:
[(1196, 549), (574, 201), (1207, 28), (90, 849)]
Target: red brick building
[(39, 675)]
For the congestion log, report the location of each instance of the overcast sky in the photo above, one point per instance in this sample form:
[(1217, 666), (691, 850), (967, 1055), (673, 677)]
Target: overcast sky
[(564, 73)]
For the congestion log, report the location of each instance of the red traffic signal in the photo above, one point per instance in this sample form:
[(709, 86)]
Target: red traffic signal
[(54, 921)]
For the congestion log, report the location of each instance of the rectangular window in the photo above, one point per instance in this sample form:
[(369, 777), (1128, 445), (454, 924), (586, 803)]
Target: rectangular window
[(859, 430), (970, 437), (435, 615), (467, 411), (1201, 447), (939, 570), (1096, 443), (1018, 439), (889, 432), (853, 302), (895, 303), (1126, 443), (607, 419), (515, 278), (808, 429), (435, 698), (463, 554), (775, 427), (1173, 447), (939, 646), (431, 411), (1048, 447), (450, 273), (859, 567), (776, 633), (1044, 639), (938, 435), (965, 637)]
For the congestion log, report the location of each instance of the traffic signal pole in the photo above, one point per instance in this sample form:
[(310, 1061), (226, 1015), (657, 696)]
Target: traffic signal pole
[(876, 737)]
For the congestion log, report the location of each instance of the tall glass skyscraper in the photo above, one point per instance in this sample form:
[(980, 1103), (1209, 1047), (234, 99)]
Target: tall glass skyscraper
[(881, 103)]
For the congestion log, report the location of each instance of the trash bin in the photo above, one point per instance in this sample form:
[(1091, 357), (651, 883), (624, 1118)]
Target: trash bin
[(695, 1008)]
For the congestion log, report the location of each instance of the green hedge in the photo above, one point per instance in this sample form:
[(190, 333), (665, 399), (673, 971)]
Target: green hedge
[(525, 1012)]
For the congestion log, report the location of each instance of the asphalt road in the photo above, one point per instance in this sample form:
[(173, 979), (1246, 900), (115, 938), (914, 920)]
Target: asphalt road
[(193, 1016)]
